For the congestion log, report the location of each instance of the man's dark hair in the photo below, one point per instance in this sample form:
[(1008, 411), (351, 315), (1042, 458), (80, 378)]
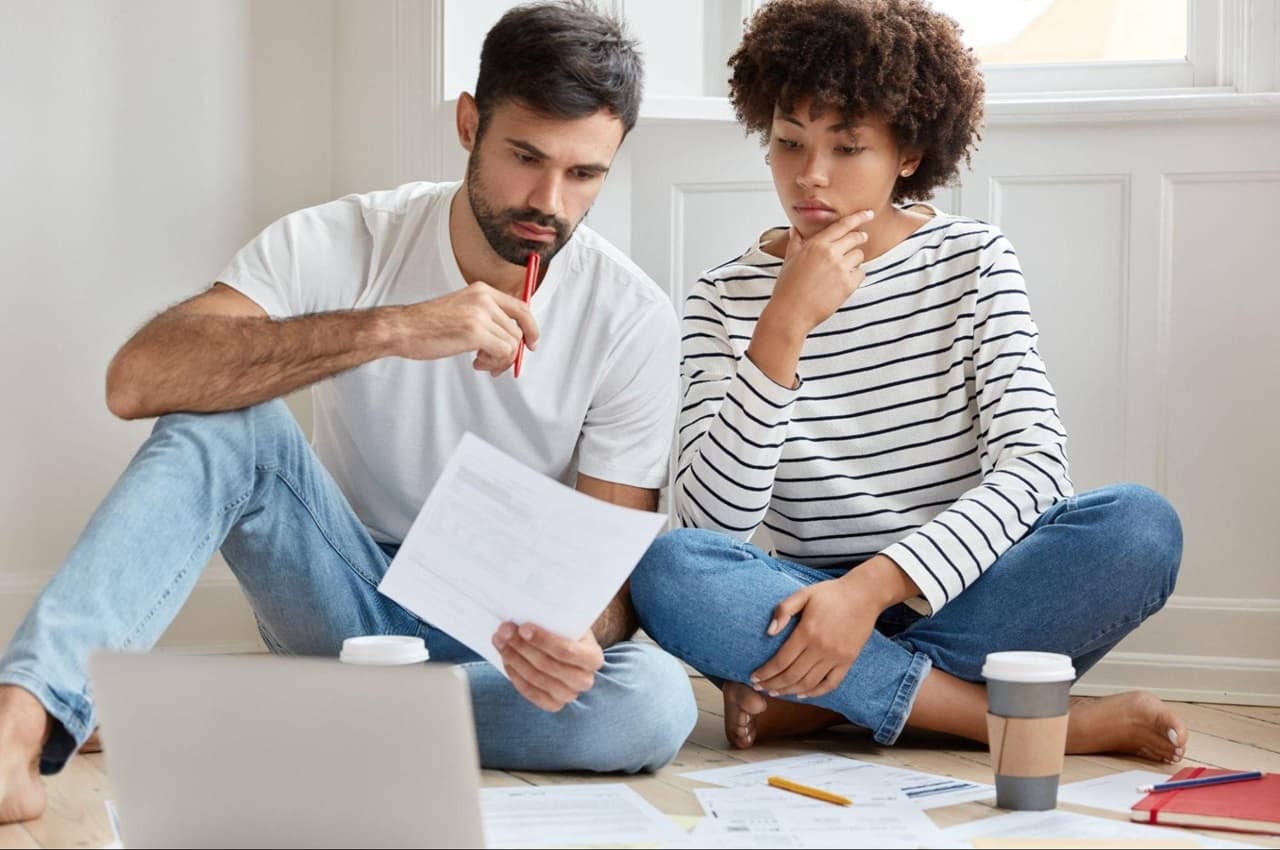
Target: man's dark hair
[(563, 59)]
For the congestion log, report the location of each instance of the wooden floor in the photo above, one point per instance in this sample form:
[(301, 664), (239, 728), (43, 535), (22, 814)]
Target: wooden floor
[(1222, 736)]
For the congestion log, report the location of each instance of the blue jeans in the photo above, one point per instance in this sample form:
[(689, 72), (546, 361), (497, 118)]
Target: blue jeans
[(247, 481), (1090, 570)]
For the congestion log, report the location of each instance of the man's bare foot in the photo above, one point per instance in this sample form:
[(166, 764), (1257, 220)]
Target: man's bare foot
[(24, 727), (1135, 722), (751, 717)]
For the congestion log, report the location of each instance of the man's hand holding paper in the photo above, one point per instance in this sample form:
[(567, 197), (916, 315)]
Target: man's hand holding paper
[(548, 670), (510, 563)]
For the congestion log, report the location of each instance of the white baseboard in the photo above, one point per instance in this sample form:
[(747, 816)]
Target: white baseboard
[(216, 618), (1203, 649), (1213, 626), (1199, 648), (1192, 678)]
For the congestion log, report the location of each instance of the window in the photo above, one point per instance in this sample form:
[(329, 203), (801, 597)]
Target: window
[(1066, 45), (1055, 50), (1021, 32)]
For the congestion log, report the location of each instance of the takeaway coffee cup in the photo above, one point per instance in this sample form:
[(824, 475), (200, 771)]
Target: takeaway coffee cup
[(1027, 704), (384, 650)]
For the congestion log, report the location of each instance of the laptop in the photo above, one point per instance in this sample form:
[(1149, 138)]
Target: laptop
[(261, 751)]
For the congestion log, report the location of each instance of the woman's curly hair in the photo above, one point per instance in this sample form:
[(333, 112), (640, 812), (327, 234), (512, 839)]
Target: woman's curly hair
[(896, 59)]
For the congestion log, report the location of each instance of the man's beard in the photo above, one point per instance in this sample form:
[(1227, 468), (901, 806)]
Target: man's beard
[(496, 224)]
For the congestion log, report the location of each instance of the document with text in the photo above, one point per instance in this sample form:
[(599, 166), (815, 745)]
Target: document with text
[(1116, 792), (1059, 828), (879, 817), (497, 542), (603, 815), (843, 775)]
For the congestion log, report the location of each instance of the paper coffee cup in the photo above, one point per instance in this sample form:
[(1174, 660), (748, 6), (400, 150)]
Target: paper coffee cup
[(1027, 705), (384, 650)]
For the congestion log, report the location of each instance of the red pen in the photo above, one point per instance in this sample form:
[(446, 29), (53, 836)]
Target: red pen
[(530, 278)]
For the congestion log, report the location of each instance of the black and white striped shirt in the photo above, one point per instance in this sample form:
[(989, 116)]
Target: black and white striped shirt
[(924, 426)]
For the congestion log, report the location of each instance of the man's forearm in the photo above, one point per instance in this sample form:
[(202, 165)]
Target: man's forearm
[(201, 363), (618, 622)]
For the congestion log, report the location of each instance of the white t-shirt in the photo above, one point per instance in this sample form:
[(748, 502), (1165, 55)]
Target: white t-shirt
[(599, 395)]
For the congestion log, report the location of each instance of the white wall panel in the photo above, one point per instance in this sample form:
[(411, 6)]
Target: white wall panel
[(672, 33), (1221, 452), (712, 166), (712, 223), (686, 44), (1070, 232)]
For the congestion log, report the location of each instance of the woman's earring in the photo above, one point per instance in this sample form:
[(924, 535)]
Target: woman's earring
[(906, 172), (766, 159)]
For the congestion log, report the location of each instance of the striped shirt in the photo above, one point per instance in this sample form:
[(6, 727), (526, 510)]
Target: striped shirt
[(924, 426)]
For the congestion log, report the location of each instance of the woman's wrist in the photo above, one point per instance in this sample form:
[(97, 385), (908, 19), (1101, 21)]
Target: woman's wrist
[(775, 347), (881, 580), (782, 323)]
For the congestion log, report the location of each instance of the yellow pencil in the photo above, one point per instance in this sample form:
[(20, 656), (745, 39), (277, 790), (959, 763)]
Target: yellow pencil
[(815, 793)]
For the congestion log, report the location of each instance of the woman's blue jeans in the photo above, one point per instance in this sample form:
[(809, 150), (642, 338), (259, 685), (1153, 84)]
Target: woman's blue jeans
[(1091, 569)]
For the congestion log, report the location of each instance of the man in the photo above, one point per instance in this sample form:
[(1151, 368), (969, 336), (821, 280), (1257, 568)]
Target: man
[(403, 309)]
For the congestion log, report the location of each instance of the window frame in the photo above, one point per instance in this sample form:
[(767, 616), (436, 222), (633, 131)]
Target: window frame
[(1218, 36)]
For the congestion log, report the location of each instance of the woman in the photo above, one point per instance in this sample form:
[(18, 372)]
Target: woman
[(865, 384)]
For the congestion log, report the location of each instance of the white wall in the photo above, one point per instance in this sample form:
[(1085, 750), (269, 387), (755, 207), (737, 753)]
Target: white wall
[(363, 92), (141, 143), (144, 141)]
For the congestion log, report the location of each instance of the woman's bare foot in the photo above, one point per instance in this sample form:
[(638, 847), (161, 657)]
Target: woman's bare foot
[(1135, 722), (24, 727), (92, 744), (751, 717)]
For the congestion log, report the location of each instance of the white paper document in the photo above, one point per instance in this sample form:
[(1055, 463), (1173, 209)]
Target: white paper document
[(573, 815), (1059, 824), (843, 775), (497, 542), (711, 834), (768, 817), (1115, 792), (113, 818)]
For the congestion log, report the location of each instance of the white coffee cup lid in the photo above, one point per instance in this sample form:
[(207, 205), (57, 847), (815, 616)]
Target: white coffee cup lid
[(384, 650), (1028, 667)]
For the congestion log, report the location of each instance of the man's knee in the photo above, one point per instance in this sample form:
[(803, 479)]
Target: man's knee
[(229, 433), (641, 711)]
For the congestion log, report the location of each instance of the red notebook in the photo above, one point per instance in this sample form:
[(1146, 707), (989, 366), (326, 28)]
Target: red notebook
[(1249, 806)]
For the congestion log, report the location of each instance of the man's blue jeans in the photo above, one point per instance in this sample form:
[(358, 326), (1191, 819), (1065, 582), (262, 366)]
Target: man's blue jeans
[(1090, 570), (248, 482)]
